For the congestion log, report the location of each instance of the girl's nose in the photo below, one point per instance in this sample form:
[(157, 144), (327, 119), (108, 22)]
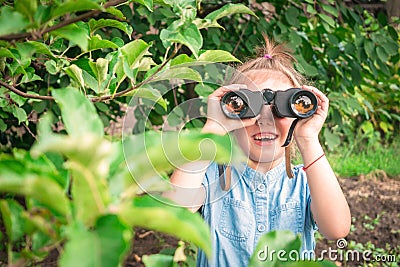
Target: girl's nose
[(266, 116)]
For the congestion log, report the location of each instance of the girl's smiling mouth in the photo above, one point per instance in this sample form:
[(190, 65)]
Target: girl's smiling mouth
[(264, 138)]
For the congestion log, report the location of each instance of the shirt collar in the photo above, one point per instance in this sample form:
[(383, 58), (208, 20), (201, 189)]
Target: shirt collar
[(252, 176)]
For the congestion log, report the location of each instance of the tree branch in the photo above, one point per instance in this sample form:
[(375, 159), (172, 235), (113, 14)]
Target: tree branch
[(101, 98), (23, 94), (151, 77), (93, 13)]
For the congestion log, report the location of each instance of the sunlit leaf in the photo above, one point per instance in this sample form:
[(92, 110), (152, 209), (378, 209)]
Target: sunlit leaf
[(26, 7), (76, 74), (217, 56), (181, 222), (96, 42), (147, 3), (165, 151), (150, 93), (102, 23), (75, 34), (188, 35), (105, 245), (10, 211), (158, 260), (229, 9), (27, 49), (178, 73), (78, 113), (7, 15), (74, 6), (327, 19), (42, 189)]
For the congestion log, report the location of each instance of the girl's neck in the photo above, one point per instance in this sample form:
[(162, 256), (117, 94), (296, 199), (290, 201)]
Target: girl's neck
[(263, 167)]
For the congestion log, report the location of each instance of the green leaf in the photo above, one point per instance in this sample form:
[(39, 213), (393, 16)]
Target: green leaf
[(75, 34), (4, 52), (42, 189), (27, 49), (391, 48), (217, 56), (178, 72), (75, 73), (188, 35), (100, 70), (382, 54), (153, 214), (203, 90), (181, 59), (72, 6), (164, 151), (332, 140), (51, 67), (274, 241), (116, 13), (331, 10), (292, 15), (20, 114), (327, 19), (134, 51), (94, 25), (106, 245), (306, 68), (78, 113), (146, 91), (96, 42), (147, 3), (26, 7), (19, 22), (3, 126), (158, 260), (13, 222), (229, 9)]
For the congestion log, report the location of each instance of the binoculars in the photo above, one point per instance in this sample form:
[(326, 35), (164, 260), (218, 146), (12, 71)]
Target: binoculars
[(292, 103)]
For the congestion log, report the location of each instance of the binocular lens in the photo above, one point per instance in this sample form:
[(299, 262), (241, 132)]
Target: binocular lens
[(302, 105), (234, 104)]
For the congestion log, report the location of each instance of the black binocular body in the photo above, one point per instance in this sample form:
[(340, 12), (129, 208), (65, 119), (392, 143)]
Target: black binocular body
[(292, 103)]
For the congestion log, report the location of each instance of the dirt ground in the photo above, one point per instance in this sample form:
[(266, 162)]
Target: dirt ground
[(375, 208)]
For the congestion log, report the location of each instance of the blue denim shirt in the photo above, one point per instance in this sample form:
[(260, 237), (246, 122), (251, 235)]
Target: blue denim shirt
[(255, 204)]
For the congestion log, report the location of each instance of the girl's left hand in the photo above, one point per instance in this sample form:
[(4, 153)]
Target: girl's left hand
[(308, 129)]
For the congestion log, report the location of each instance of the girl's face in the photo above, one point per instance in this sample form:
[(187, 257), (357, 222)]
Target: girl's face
[(263, 140)]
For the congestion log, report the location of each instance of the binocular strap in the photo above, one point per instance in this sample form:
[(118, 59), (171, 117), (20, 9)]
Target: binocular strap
[(290, 133), (288, 162), (224, 177)]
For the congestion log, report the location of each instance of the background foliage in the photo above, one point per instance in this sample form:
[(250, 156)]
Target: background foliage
[(76, 66)]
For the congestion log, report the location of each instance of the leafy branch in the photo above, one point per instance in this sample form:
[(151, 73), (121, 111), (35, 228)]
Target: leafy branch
[(38, 33), (101, 98)]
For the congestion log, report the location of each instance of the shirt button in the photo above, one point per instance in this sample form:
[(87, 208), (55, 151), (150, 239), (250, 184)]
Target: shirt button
[(261, 187), (261, 227)]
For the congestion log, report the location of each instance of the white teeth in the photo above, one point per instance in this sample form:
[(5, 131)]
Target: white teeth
[(268, 137)]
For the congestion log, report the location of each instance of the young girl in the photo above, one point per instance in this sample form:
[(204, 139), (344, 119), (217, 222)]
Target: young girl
[(258, 196)]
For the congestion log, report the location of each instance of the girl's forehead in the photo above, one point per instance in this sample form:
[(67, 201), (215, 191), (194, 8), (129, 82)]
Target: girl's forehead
[(261, 79)]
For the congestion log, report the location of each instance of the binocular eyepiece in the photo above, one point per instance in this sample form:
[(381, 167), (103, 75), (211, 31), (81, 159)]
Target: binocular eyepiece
[(292, 103)]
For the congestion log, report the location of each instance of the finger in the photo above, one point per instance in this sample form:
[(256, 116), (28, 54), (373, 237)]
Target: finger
[(323, 101)]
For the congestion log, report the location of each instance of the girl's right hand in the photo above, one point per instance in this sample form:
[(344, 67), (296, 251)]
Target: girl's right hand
[(217, 122)]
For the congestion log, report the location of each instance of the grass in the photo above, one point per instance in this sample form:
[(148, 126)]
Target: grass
[(379, 158)]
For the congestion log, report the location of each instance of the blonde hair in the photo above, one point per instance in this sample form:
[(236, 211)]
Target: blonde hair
[(274, 57)]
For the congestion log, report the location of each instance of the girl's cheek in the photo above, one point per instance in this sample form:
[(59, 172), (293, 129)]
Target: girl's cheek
[(283, 123)]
